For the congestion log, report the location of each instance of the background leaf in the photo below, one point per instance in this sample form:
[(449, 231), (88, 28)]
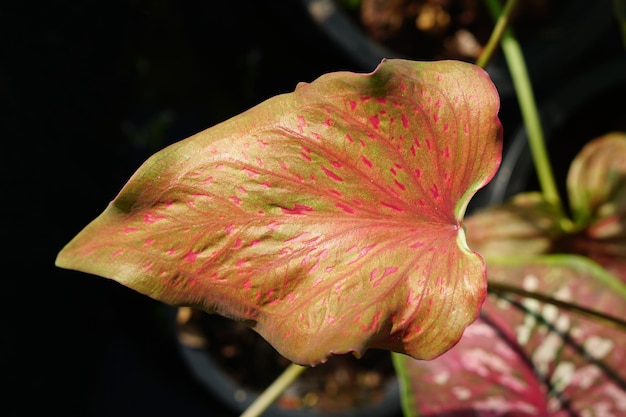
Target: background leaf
[(596, 180), (527, 358), (327, 218)]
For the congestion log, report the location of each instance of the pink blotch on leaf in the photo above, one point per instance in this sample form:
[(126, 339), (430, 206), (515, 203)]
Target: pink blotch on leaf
[(375, 121), (435, 191), (150, 218), (364, 251), (252, 174), (129, 230), (191, 256), (375, 321), (331, 175), (366, 161), (301, 124), (345, 208), (405, 121), (352, 105), (391, 206), (335, 193), (273, 226), (297, 209)]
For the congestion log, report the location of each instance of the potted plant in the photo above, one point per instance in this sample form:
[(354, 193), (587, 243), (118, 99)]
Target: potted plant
[(332, 221)]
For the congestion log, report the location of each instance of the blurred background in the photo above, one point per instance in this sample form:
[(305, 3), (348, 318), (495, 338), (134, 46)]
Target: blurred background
[(88, 90)]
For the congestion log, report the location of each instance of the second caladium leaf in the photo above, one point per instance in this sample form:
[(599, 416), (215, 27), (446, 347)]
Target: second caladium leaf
[(524, 357), (329, 219)]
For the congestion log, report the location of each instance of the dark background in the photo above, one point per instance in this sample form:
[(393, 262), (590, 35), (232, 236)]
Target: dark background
[(88, 90)]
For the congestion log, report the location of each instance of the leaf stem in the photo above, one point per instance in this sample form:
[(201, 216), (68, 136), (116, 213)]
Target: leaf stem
[(528, 107), (407, 398), (498, 288), (502, 22), (271, 393)]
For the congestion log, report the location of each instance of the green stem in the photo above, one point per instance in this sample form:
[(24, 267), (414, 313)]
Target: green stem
[(272, 392), (498, 288), (407, 399), (528, 107), (502, 23)]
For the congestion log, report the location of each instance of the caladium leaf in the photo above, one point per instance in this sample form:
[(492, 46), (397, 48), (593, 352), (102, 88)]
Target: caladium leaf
[(528, 358), (596, 181), (329, 219), (525, 225), (597, 189)]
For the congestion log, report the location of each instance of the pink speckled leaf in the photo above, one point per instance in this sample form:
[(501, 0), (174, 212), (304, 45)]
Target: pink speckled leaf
[(528, 358), (329, 218)]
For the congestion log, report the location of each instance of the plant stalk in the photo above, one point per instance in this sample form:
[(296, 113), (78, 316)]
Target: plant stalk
[(407, 399), (502, 23), (271, 393), (528, 107)]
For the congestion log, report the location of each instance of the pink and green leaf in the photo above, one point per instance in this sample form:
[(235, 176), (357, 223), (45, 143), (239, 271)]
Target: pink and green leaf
[(528, 358), (329, 219), (597, 189), (526, 225)]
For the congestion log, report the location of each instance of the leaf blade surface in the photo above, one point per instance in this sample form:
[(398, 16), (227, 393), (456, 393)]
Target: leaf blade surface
[(327, 218)]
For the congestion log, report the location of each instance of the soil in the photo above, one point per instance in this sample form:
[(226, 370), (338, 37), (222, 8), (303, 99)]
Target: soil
[(342, 383), (442, 29)]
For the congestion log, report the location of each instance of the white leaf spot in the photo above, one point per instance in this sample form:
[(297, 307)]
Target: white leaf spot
[(461, 393), (598, 347), (562, 376), (530, 283), (441, 377), (546, 353)]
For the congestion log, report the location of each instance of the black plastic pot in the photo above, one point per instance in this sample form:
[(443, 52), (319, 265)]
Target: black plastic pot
[(561, 42), (234, 364)]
